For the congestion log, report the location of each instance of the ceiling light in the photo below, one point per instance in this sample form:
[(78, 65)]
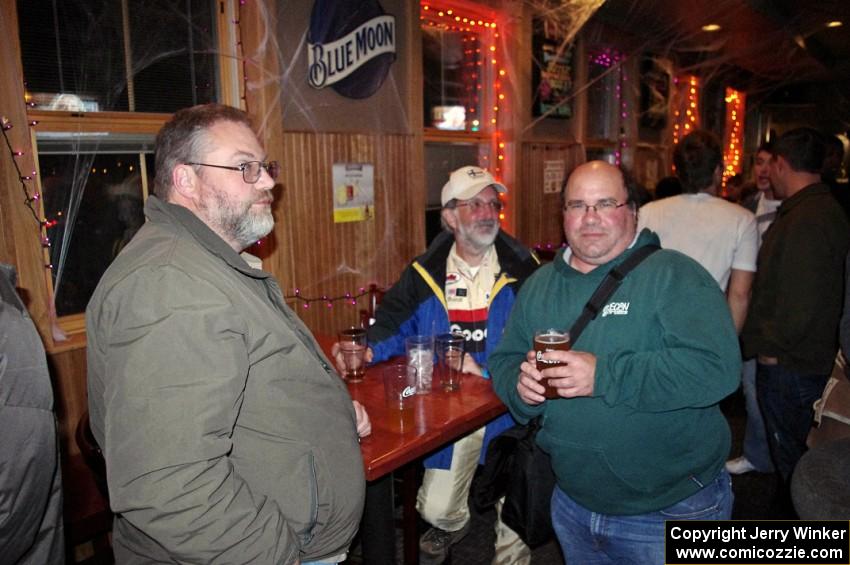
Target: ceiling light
[(711, 27), (835, 23)]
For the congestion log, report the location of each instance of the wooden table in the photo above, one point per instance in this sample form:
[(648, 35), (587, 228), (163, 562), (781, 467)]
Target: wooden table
[(439, 418)]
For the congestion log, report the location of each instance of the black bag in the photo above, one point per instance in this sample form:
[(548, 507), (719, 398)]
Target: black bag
[(514, 466)]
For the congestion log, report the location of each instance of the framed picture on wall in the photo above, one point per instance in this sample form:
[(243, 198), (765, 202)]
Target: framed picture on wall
[(552, 71), (655, 78)]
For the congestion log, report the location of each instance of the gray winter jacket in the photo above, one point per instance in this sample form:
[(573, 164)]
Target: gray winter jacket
[(30, 478), (228, 438)]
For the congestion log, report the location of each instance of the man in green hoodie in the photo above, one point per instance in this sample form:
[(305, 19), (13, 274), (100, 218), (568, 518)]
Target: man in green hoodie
[(636, 437)]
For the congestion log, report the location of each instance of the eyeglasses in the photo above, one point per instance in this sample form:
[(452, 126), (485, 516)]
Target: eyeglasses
[(251, 170), (476, 205), (602, 207)]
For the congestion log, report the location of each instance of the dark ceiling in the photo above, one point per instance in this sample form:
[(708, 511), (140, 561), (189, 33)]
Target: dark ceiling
[(777, 50)]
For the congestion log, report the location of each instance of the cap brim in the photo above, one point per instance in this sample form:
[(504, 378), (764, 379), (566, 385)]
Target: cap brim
[(474, 188)]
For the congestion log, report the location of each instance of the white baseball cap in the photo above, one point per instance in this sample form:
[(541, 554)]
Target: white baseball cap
[(468, 181)]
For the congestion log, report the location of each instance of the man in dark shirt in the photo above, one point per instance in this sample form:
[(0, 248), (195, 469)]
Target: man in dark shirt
[(832, 163), (792, 323)]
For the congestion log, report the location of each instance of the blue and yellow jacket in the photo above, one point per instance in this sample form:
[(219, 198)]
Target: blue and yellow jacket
[(416, 304)]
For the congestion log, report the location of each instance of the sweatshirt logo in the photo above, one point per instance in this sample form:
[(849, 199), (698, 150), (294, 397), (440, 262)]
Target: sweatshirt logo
[(616, 309)]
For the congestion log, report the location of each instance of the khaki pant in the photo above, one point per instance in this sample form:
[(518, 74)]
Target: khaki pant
[(442, 500)]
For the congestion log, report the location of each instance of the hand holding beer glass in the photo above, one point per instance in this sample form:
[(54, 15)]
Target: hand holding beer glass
[(550, 339)]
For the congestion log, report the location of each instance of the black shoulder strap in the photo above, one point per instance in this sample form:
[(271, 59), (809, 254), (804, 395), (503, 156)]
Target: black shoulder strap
[(607, 287)]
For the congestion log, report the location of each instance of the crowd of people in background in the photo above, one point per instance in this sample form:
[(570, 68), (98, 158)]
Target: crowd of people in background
[(794, 213), (736, 188)]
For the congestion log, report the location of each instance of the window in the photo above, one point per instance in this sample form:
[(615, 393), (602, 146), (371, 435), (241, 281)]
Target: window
[(603, 94), (463, 96), (93, 191), (103, 55), (608, 122), (453, 72), (101, 78)]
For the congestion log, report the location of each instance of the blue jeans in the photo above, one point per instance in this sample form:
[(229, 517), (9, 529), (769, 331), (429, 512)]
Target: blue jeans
[(756, 449), (786, 398), (588, 537)]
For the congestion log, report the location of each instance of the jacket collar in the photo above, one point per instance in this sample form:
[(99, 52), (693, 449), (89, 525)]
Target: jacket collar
[(180, 217), (812, 190), (514, 258), (642, 239)]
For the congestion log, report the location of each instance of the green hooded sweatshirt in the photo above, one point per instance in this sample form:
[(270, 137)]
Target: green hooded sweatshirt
[(651, 434)]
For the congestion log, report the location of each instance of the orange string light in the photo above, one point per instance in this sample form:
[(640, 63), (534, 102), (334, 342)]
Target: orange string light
[(686, 115), (734, 137)]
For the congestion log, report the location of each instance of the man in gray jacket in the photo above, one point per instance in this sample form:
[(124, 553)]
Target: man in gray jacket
[(227, 435), (30, 479)]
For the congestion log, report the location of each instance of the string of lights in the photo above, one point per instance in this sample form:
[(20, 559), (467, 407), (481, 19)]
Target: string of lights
[(31, 201), (734, 138), (688, 120), (349, 298), (240, 55), (548, 246)]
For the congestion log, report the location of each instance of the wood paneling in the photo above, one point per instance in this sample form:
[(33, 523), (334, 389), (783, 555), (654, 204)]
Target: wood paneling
[(309, 251), (19, 229), (68, 372), (539, 213)]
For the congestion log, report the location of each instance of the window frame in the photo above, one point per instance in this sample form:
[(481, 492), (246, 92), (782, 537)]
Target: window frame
[(231, 91), (490, 135), (487, 131)]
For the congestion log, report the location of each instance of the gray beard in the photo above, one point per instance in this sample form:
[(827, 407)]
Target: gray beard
[(477, 239), (243, 227)]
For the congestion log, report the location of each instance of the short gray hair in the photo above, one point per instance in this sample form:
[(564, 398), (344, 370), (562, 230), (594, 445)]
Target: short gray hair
[(183, 139)]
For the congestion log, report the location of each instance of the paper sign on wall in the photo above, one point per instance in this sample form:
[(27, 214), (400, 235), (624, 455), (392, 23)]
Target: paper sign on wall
[(353, 192), (553, 176)]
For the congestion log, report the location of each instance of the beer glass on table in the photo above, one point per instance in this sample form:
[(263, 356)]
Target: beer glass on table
[(352, 346), (400, 391), (450, 356)]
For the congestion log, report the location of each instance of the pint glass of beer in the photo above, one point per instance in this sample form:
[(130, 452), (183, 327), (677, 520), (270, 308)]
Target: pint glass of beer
[(400, 388), (550, 339), (352, 345), (450, 356)]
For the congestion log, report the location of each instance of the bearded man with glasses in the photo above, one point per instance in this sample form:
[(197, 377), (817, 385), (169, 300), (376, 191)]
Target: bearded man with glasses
[(466, 281), (228, 437)]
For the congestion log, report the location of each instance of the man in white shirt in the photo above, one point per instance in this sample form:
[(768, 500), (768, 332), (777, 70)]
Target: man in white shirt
[(763, 203), (756, 456), (720, 235)]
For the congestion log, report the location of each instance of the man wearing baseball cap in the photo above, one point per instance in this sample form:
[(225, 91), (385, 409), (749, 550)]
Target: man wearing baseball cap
[(466, 281)]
